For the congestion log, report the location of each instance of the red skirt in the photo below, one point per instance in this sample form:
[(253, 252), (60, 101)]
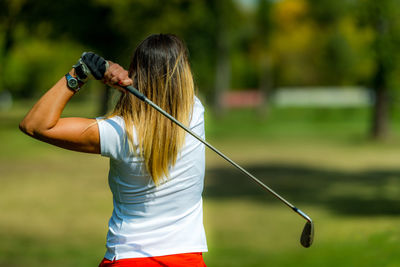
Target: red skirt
[(177, 260)]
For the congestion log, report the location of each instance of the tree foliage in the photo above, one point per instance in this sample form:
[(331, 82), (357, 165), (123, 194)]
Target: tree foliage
[(232, 44)]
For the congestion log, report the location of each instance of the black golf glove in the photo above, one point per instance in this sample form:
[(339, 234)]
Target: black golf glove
[(96, 64), (90, 65)]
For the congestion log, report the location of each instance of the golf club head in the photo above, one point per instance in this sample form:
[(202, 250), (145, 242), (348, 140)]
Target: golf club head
[(307, 236)]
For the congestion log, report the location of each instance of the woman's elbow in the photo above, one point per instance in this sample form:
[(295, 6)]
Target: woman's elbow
[(28, 128), (23, 126)]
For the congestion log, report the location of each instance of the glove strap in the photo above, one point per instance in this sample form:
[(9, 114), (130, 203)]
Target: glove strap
[(82, 72)]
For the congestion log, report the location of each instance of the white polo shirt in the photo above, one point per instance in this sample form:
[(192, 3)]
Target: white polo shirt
[(148, 220)]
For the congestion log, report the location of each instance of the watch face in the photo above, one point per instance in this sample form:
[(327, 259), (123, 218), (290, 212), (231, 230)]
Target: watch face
[(73, 83)]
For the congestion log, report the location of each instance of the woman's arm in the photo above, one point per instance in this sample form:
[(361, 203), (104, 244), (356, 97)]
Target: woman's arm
[(43, 121)]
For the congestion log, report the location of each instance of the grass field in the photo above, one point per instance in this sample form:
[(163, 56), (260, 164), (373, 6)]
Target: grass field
[(55, 204)]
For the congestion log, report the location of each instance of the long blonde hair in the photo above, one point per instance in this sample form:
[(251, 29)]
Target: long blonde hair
[(160, 70)]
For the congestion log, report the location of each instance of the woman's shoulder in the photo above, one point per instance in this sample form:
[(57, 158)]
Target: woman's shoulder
[(114, 123), (114, 119)]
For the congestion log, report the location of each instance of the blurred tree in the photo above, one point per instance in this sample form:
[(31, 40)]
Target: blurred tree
[(383, 18), (207, 26), (110, 28), (286, 42), (252, 64), (225, 13), (9, 11), (264, 27), (85, 22), (295, 44), (342, 43), (194, 21), (319, 43), (51, 26)]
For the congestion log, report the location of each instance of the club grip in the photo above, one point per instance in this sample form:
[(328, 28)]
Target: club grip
[(136, 92)]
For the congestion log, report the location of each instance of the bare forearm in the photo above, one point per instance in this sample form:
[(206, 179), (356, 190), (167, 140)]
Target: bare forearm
[(47, 111)]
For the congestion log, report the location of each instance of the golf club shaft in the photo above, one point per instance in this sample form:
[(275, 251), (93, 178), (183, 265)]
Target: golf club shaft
[(142, 97)]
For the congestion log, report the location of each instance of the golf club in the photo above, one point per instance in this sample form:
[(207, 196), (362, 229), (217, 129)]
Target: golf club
[(307, 235)]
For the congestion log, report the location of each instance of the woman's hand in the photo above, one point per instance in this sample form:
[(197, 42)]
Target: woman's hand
[(116, 76)]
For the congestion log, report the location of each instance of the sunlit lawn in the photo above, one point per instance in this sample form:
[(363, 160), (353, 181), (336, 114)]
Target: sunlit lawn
[(55, 204)]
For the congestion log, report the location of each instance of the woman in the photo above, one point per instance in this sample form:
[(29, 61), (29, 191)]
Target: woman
[(156, 170)]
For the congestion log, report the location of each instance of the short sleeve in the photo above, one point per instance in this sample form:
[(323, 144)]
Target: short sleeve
[(197, 121), (112, 136)]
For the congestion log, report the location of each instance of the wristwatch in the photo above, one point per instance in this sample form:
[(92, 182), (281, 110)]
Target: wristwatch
[(73, 83)]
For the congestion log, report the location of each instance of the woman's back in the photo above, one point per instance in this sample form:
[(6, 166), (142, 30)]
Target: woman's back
[(150, 220)]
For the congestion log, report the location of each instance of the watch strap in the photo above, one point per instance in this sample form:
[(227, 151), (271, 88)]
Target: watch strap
[(82, 71)]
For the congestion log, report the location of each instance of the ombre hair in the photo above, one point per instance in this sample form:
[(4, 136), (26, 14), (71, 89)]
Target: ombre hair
[(160, 70)]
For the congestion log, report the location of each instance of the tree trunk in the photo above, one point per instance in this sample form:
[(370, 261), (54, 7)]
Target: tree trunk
[(380, 116), (223, 68), (265, 85), (222, 76), (9, 27)]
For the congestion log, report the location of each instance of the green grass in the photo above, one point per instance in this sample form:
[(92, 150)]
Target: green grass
[(55, 204), (350, 124)]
